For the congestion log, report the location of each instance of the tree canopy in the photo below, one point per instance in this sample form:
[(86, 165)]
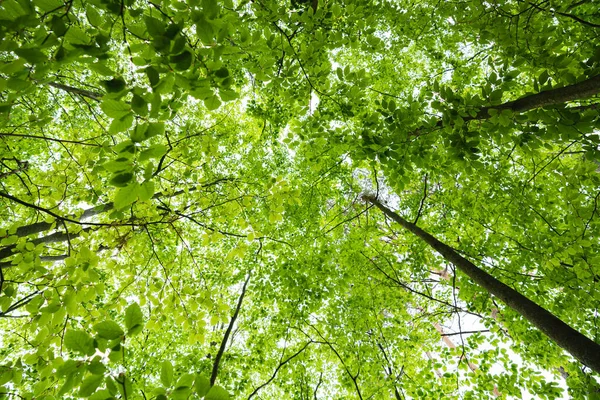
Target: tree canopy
[(196, 198)]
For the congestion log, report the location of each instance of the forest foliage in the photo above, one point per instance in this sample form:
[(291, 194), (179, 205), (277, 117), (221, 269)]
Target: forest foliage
[(184, 195)]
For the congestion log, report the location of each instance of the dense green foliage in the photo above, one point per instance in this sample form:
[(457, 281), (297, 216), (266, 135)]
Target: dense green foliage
[(180, 197)]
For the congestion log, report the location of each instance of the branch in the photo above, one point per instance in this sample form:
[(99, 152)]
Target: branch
[(422, 200), (354, 378), (102, 208), (411, 290), (20, 303), (215, 369), (203, 225), (464, 332), (567, 15), (80, 92), (318, 384), (4, 134), (578, 91), (21, 166), (281, 364), (52, 238)]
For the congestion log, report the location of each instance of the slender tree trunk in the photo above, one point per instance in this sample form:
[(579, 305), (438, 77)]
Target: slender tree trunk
[(577, 344), (215, 369)]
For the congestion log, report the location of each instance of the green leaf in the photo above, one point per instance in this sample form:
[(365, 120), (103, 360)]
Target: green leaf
[(166, 373), (58, 26), (182, 61), (18, 84), (139, 133), (121, 179), (212, 103), (93, 16), (228, 95), (336, 10), (77, 36), (102, 395), (181, 393), (121, 124), (96, 367), (48, 5), (153, 76), (222, 73), (124, 385), (126, 196), (139, 105), (186, 380), (32, 55), (125, 148), (204, 28), (67, 386), (146, 191), (154, 151), (114, 108), (155, 129), (109, 330), (134, 319), (201, 385), (217, 393), (80, 342), (90, 384), (101, 69), (114, 85), (155, 27)]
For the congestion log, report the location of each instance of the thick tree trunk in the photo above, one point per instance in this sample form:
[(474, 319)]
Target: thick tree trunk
[(579, 91), (577, 344)]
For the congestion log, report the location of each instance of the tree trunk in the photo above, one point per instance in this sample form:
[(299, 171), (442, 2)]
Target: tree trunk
[(577, 344), (578, 91)]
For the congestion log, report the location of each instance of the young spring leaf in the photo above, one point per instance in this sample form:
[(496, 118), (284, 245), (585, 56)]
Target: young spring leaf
[(134, 319), (166, 373), (109, 330), (80, 342)]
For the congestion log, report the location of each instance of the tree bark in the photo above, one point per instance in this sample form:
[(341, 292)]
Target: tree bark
[(215, 369), (578, 91), (578, 345), (81, 92)]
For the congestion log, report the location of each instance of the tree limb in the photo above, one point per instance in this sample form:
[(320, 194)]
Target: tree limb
[(281, 364), (215, 370), (81, 92)]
